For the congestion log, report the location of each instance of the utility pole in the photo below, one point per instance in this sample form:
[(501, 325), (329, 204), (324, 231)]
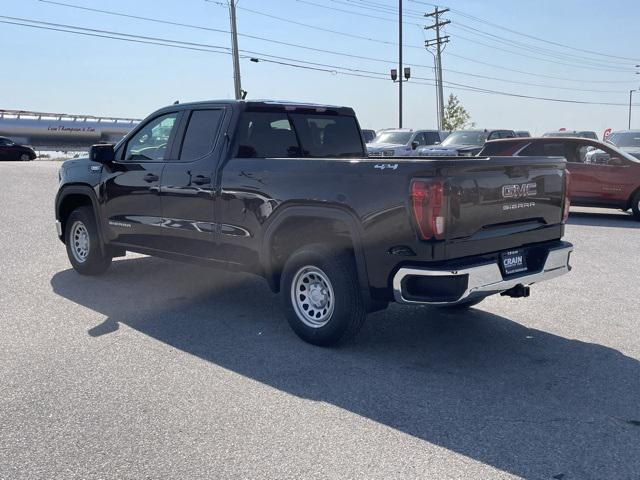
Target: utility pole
[(234, 50), (438, 42), (400, 62)]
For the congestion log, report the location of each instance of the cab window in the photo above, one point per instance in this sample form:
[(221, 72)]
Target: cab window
[(201, 134), (266, 135), (151, 142)]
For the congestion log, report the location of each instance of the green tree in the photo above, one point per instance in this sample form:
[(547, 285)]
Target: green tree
[(455, 115)]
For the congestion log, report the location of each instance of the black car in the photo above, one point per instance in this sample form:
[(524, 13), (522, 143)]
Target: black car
[(10, 150)]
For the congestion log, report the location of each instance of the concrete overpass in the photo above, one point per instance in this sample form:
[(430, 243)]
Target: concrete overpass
[(62, 131)]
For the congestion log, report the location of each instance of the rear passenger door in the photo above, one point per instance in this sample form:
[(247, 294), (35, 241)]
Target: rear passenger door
[(188, 192)]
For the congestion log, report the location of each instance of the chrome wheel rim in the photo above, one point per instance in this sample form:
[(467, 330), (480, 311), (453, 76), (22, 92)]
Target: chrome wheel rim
[(24, 157), (312, 296), (79, 241)]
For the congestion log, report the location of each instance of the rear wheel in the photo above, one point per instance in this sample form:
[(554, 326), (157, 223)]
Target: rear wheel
[(84, 248), (635, 205), (321, 295)]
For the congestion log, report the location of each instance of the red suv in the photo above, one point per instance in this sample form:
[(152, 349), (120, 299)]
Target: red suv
[(601, 174)]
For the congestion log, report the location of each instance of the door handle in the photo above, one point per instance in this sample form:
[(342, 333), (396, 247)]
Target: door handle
[(201, 180), (151, 177)]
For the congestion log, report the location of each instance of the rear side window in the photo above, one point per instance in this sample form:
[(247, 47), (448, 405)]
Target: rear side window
[(328, 135), (281, 135), (500, 149), (266, 135), (201, 134), (544, 150)]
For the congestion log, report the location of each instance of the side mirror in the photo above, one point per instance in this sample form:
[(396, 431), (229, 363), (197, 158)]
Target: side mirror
[(102, 153), (616, 161), (415, 144)]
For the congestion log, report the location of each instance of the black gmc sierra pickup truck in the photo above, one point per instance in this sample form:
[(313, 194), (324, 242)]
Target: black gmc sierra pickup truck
[(287, 192)]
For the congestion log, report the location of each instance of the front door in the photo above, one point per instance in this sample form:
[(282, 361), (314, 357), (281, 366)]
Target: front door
[(600, 176), (188, 186), (131, 194)]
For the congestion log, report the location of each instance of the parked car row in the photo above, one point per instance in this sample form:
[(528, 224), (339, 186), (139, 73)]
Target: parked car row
[(604, 174), (626, 140), (400, 142)]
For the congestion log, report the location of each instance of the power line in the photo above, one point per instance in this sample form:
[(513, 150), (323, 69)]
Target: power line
[(533, 37), (544, 51), (538, 49), (314, 27), (520, 54), (565, 58), (284, 61), (344, 54), (536, 74), (218, 30), (533, 48)]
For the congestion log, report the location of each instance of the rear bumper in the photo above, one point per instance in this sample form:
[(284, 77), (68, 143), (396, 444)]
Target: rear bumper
[(451, 286)]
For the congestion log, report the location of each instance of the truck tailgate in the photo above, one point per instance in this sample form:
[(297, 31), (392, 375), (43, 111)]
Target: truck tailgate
[(503, 195)]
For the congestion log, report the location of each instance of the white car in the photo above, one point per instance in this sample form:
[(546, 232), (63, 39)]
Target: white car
[(400, 142)]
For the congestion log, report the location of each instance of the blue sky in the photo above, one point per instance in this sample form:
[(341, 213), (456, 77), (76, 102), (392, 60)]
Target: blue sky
[(52, 71)]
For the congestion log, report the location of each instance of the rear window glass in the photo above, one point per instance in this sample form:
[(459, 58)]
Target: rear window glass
[(266, 135), (280, 135), (328, 135), (201, 134)]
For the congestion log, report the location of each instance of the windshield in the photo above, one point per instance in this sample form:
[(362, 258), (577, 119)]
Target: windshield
[(628, 139), (616, 151), (465, 138), (399, 138)]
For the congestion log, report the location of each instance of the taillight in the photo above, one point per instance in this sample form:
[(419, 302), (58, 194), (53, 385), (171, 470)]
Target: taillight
[(427, 203), (567, 196)]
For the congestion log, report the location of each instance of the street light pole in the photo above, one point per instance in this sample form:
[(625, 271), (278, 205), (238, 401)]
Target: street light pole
[(400, 62), (630, 99)]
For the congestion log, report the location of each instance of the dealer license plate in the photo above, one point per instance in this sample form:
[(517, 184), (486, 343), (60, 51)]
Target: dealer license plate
[(513, 261)]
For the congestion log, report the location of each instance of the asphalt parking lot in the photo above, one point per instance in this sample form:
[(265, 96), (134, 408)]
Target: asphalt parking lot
[(165, 370)]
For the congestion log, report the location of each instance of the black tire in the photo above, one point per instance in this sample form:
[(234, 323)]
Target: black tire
[(346, 309), (462, 305), (635, 205), (25, 157), (94, 261)]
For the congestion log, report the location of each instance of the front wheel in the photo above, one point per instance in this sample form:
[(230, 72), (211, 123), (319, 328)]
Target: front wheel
[(635, 205), (321, 295), (25, 157), (83, 244)]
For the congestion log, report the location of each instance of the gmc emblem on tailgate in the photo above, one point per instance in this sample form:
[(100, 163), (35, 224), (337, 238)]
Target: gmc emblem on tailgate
[(520, 191)]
